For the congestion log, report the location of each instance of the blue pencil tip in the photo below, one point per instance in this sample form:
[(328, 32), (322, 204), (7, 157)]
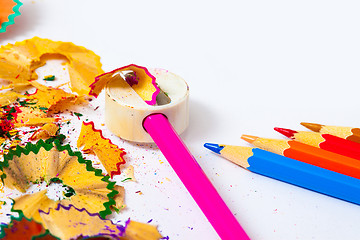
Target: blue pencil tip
[(214, 147)]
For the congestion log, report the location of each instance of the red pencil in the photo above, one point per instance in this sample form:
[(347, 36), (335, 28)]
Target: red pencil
[(324, 141)]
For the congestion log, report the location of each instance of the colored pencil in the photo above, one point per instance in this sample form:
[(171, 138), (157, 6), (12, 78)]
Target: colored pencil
[(308, 154), (349, 133), (291, 171), (194, 178), (324, 141)]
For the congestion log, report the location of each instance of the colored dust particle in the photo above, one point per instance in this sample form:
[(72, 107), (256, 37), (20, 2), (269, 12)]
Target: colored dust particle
[(126, 179), (49, 78), (8, 11), (93, 142), (19, 61), (69, 222), (139, 78), (78, 114), (49, 162)]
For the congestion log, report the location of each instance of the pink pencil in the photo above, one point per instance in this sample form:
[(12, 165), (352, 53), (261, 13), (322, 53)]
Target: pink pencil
[(194, 178)]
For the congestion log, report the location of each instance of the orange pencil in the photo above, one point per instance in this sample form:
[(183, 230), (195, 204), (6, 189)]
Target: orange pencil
[(308, 154), (324, 141), (349, 133)]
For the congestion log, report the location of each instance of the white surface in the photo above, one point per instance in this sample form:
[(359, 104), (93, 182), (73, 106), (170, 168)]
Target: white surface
[(251, 66)]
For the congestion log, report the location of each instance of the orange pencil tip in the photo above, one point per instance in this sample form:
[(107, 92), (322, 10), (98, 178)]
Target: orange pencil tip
[(312, 126), (249, 138)]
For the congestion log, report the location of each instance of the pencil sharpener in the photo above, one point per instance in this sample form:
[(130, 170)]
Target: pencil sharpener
[(125, 111)]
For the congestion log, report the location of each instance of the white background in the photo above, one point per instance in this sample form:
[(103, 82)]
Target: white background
[(251, 66)]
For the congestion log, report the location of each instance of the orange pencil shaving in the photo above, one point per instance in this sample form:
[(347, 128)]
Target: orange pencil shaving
[(308, 154), (349, 133), (325, 141)]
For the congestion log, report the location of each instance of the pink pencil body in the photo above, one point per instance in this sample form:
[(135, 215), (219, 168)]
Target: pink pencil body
[(193, 177)]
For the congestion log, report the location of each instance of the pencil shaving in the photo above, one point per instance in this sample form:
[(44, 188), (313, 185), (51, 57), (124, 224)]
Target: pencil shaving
[(9, 10), (45, 132), (41, 162), (18, 62), (48, 97), (140, 79), (21, 228), (129, 173), (73, 223), (92, 141)]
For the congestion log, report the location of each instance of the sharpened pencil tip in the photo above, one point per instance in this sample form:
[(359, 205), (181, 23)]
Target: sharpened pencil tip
[(249, 138), (312, 126), (286, 132), (214, 147)]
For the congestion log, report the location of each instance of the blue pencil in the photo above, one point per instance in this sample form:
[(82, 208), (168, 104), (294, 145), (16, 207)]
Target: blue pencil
[(291, 171)]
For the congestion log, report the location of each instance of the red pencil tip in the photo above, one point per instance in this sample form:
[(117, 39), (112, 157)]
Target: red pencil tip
[(286, 132)]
